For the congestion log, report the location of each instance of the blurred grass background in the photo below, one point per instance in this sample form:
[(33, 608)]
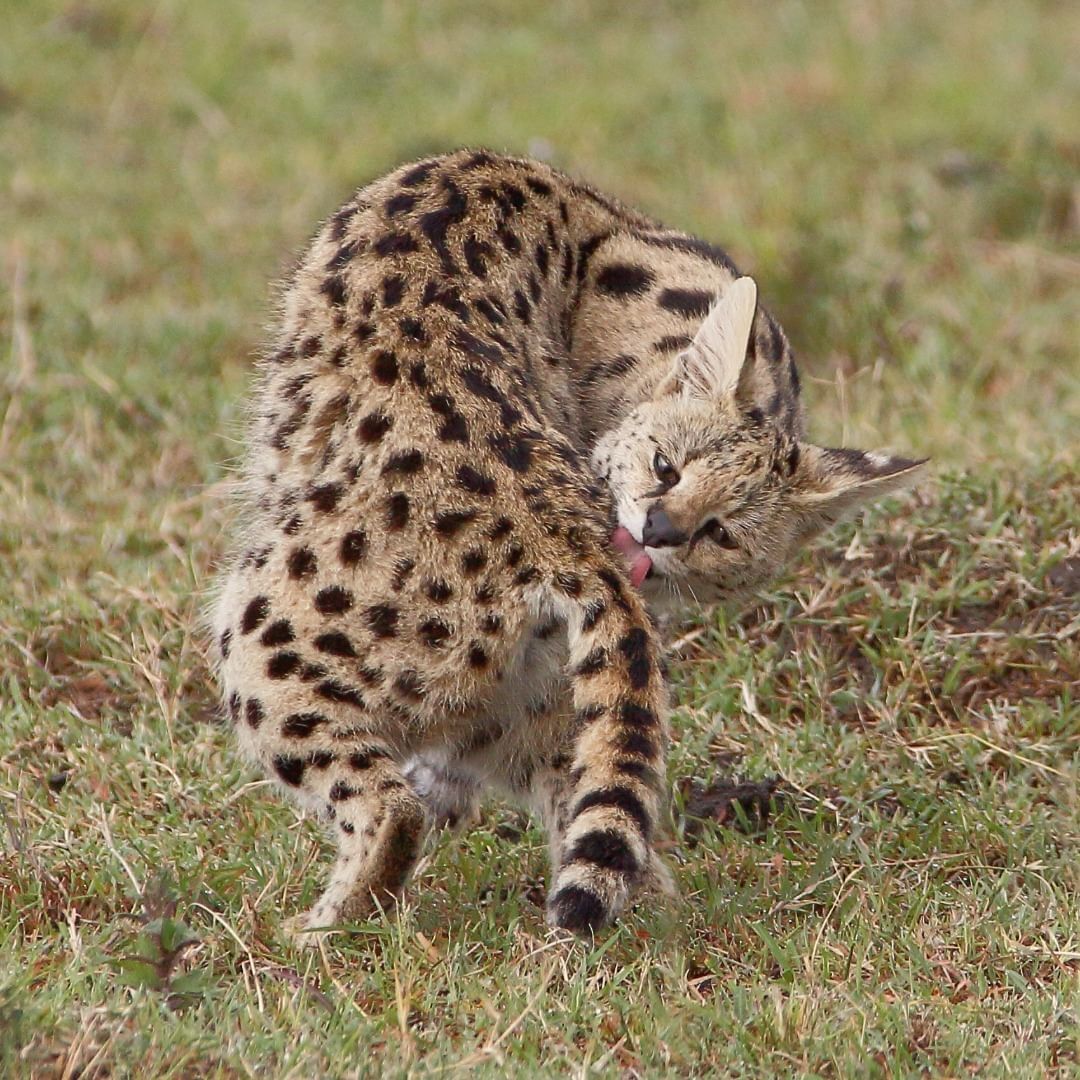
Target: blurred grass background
[(904, 180)]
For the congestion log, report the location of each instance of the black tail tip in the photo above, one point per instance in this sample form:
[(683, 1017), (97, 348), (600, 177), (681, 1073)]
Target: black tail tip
[(577, 910)]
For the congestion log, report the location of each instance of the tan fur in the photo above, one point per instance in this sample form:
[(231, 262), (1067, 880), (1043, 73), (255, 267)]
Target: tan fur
[(477, 361)]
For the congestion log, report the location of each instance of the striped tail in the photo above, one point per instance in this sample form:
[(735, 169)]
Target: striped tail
[(617, 782)]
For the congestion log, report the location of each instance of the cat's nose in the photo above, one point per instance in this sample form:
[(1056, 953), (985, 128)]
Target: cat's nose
[(659, 529)]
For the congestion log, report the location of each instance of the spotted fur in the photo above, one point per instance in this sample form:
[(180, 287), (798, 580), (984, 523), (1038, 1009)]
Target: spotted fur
[(477, 362)]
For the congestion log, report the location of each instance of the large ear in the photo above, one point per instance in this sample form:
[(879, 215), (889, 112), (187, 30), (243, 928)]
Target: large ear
[(711, 365), (827, 484)]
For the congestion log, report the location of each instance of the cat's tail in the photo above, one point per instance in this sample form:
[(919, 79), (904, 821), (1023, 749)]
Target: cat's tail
[(618, 786)]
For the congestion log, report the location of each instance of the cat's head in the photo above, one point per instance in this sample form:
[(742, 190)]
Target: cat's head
[(714, 494)]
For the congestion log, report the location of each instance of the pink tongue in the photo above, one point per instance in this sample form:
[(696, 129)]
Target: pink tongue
[(640, 563)]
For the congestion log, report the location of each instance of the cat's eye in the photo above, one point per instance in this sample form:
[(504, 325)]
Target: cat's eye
[(666, 473), (718, 534)]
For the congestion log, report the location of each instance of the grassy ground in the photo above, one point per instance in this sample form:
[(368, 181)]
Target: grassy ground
[(904, 179)]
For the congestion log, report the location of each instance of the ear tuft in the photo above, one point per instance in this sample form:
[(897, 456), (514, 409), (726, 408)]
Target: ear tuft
[(711, 366), (830, 483)]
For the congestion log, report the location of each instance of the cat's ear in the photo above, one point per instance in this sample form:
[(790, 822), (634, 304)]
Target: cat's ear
[(828, 484), (710, 366)]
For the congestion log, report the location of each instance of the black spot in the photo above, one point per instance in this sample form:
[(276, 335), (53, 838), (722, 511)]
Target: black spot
[(224, 643), (418, 375), (412, 329), (435, 224), (489, 311), (332, 690), (635, 648), (526, 575), (521, 307), (310, 672), (401, 203), (293, 525), (301, 563), (434, 632), (692, 303), (344, 255), (333, 288), (393, 289), (615, 583), (515, 450), (395, 243), (234, 705), (515, 553), (477, 482), (254, 614), (325, 497), (491, 624), (624, 279), (374, 426), (290, 769), (402, 569), (478, 658), (341, 791), (594, 663), (477, 160), (353, 546), (347, 827), (397, 511), (282, 664), (470, 344), (410, 687), (363, 332), (503, 527), (279, 632), (254, 713), (384, 368), (586, 252), (383, 619), (508, 238), (333, 600), (539, 186), (301, 725), (543, 260), (450, 522), (484, 595), (618, 798), (515, 196), (364, 759), (404, 463), (438, 590), (605, 848), (576, 909), (418, 174), (310, 346), (473, 561), (476, 252), (335, 643)]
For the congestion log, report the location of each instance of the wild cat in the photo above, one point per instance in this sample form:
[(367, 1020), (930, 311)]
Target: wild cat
[(503, 413)]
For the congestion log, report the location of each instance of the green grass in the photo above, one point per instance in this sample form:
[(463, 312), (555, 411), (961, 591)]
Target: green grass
[(904, 180)]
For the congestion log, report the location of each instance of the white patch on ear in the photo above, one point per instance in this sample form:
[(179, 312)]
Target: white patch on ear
[(710, 367)]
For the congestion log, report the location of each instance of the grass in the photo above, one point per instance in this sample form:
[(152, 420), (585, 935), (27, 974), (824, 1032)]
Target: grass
[(904, 180)]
